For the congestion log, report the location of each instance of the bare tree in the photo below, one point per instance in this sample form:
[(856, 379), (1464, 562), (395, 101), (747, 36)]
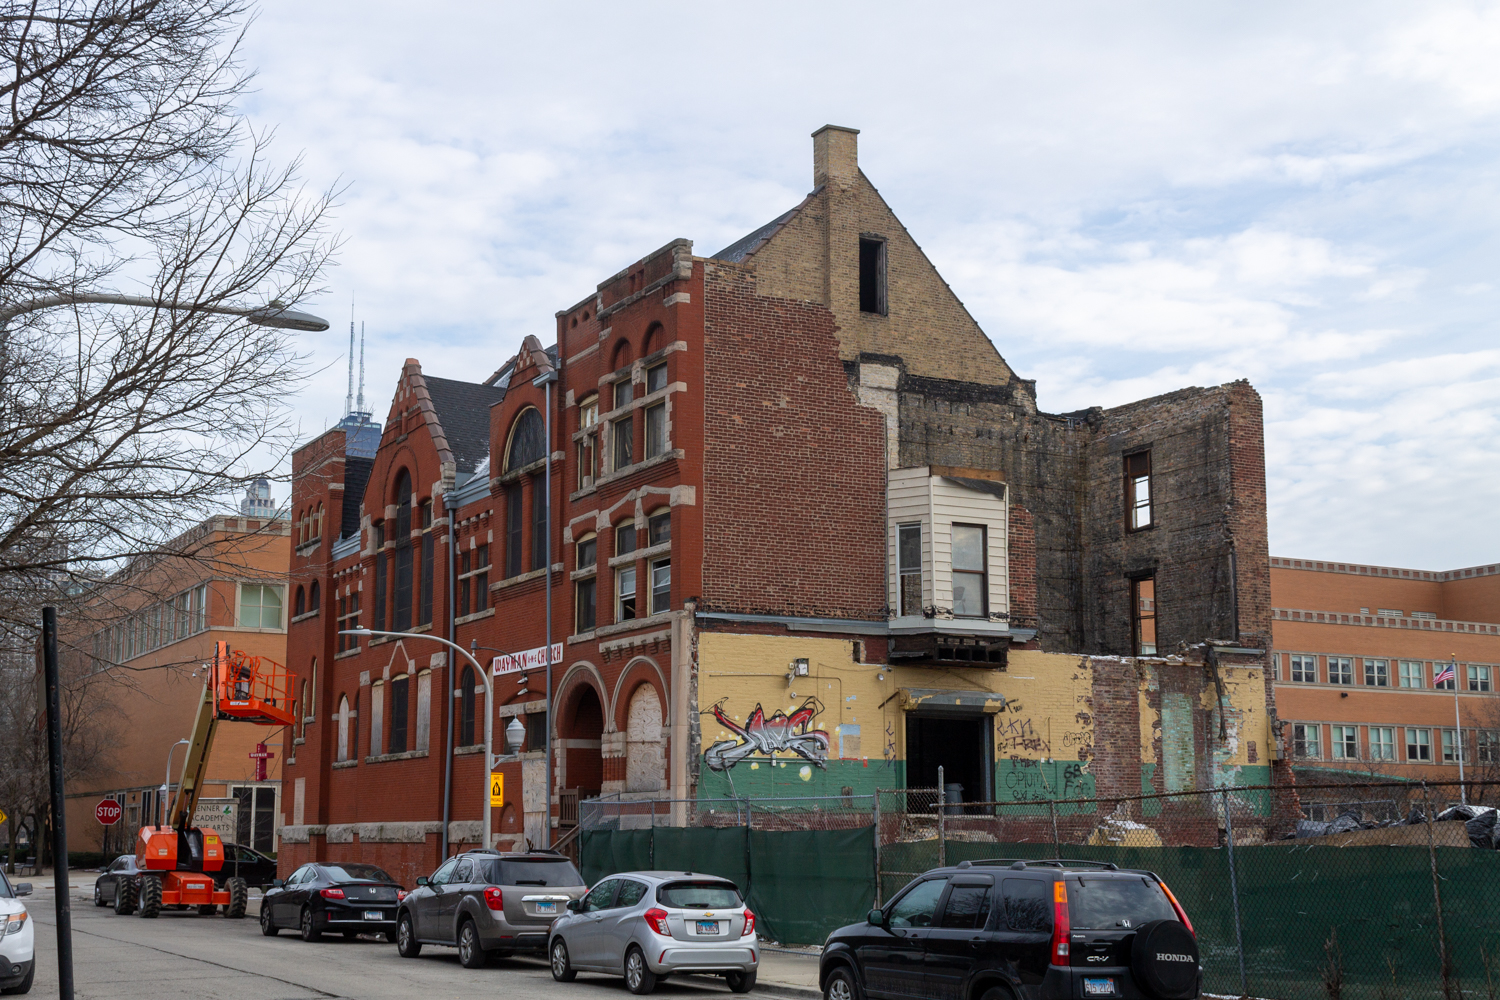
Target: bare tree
[(125, 168)]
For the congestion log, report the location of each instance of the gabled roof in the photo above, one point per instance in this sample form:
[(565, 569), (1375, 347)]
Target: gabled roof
[(747, 245), (463, 411)]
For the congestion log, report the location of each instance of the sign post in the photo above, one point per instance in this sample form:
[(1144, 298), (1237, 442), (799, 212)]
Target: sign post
[(260, 755), (108, 812)]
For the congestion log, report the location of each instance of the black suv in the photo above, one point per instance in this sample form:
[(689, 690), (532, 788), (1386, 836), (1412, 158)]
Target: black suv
[(1019, 930)]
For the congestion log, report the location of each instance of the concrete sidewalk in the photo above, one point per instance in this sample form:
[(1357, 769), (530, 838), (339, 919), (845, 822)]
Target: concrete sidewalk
[(783, 972)]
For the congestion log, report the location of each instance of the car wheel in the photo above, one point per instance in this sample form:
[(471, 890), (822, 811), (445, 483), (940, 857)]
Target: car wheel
[(98, 897), (562, 968), (740, 982), (267, 927), (639, 979), (997, 993), (24, 986), (470, 950), (841, 985), (309, 932), (407, 945)]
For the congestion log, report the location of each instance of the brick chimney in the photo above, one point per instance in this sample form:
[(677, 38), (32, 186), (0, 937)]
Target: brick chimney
[(835, 155)]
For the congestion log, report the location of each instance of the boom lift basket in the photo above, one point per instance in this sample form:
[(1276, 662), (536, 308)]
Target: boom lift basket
[(250, 689)]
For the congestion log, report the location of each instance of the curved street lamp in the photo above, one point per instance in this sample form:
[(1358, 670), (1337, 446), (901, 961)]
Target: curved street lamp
[(273, 314)]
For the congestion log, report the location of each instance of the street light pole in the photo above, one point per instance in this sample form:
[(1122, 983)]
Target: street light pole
[(489, 706), (51, 684)]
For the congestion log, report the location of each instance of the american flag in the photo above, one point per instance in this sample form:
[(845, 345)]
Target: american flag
[(1446, 674)]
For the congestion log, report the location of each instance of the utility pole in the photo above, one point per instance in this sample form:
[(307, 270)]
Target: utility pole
[(59, 813)]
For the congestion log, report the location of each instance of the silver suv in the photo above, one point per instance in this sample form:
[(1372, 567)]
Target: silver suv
[(486, 903), (647, 925)]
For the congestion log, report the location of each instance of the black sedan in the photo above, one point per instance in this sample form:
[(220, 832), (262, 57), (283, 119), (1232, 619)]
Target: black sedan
[(107, 885), (255, 868), (350, 899)]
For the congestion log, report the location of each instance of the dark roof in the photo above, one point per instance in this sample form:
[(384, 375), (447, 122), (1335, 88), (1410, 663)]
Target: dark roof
[(982, 485), (747, 245), (463, 408)]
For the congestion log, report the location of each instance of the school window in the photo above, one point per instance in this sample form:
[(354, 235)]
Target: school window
[(624, 431), (625, 538), (260, 606), (661, 586), (586, 553), (348, 619), (380, 574), (656, 430), (1479, 677), (397, 741), (1143, 611), (468, 690), (1306, 741), (586, 600), (424, 613), (909, 567), (1413, 673), (1346, 743), (1419, 745), (515, 524), (1451, 749), (1487, 746), (401, 614), (1138, 490), (1304, 668), (1378, 673), (588, 445), (656, 378), (659, 528), (481, 577), (539, 523), (624, 393), (970, 580), (625, 593), (872, 275), (1382, 743), (1340, 670), (473, 580)]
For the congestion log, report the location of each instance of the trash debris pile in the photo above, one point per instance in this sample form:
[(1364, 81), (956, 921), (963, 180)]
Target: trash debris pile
[(1479, 822)]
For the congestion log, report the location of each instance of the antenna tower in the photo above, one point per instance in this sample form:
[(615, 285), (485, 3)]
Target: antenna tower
[(349, 399), (361, 361)]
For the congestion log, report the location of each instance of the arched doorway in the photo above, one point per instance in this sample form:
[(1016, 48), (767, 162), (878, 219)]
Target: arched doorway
[(580, 732)]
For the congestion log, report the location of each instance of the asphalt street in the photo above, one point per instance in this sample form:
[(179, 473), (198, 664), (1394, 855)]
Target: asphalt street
[(211, 958)]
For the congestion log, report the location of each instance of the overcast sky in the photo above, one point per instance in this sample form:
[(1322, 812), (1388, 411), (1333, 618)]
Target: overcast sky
[(1130, 198)]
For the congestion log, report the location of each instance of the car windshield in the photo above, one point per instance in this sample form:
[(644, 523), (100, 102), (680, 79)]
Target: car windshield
[(356, 873), (1104, 903), (699, 895), (535, 871)]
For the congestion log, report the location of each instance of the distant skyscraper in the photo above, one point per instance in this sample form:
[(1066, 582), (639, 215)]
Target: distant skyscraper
[(362, 434), (258, 502)]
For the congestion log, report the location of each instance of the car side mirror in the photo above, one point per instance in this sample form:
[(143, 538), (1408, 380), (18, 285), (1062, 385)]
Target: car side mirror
[(876, 918), (422, 880), (574, 906), (277, 883), (23, 888)]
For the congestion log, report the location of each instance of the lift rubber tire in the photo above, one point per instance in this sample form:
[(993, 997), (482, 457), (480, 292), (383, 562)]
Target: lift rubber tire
[(150, 897), (639, 979), (740, 982), (562, 967), (239, 898), (470, 949), (266, 927), (125, 893), (407, 945), (1164, 958), (310, 931)]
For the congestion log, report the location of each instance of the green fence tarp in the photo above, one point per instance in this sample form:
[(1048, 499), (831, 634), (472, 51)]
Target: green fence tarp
[(801, 884)]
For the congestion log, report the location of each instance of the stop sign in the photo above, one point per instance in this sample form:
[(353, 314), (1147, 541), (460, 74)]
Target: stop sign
[(108, 812)]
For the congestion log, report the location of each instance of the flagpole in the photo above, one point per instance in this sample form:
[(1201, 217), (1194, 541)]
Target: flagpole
[(1458, 729)]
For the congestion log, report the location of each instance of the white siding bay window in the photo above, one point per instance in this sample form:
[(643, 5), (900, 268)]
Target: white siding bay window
[(946, 536)]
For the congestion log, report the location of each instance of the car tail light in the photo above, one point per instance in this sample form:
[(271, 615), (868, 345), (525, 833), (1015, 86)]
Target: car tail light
[(331, 893), (1181, 914), (1062, 927), (401, 894), (494, 898), (749, 924), (656, 919)]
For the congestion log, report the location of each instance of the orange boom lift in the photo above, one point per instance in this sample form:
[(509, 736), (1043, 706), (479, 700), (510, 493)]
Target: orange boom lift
[(177, 860)]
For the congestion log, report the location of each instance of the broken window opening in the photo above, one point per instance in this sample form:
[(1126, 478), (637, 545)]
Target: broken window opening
[(1138, 490), (872, 275)]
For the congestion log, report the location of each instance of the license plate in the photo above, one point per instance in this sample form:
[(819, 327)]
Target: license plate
[(1098, 987), (374, 915), (708, 927), (548, 907)]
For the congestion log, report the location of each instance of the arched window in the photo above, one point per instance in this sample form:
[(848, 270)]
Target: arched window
[(297, 520), (302, 712), (299, 605), (404, 592), (343, 747), (313, 594), (318, 522), (466, 698), (526, 440)]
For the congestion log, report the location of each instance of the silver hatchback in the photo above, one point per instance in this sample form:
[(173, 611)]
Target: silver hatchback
[(647, 925)]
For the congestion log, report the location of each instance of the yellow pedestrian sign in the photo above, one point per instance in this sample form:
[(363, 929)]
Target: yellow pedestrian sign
[(497, 789), (3, 817)]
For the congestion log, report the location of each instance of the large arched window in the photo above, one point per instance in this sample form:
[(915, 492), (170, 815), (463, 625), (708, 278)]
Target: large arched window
[(343, 747), (527, 442), (401, 616), (313, 596), (466, 698), (299, 604)]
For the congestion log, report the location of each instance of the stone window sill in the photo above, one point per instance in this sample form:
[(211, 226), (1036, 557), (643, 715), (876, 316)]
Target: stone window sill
[(629, 470), (516, 581), (663, 549), (347, 653), (463, 619), (408, 755), (476, 748), (633, 624), (305, 616), (584, 574), (581, 637), (339, 765)]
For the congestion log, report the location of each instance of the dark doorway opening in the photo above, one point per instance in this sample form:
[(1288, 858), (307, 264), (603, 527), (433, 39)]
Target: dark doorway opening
[(959, 744)]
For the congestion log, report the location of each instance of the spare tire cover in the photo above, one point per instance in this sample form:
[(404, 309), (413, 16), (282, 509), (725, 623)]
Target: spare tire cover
[(1164, 959)]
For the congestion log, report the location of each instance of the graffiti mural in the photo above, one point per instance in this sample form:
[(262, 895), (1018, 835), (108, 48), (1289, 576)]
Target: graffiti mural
[(781, 733)]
